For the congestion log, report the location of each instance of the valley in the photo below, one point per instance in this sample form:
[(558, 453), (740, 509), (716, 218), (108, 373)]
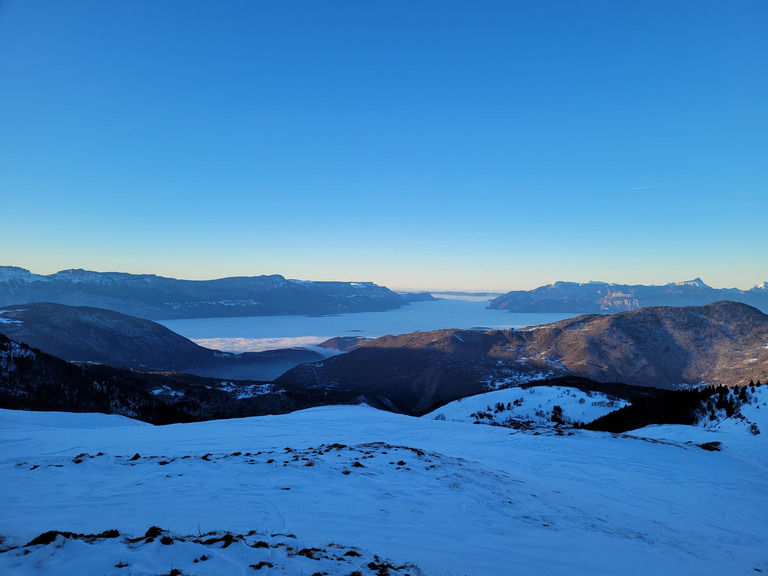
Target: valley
[(458, 451)]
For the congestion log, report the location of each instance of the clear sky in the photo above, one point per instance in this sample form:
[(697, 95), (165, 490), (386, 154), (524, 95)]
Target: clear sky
[(419, 145)]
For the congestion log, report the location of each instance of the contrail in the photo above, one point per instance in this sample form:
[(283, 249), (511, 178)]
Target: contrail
[(648, 187)]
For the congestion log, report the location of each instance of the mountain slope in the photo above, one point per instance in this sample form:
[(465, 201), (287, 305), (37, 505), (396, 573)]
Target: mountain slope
[(449, 497), (599, 297), (720, 344), (33, 380), (85, 334), (158, 298)]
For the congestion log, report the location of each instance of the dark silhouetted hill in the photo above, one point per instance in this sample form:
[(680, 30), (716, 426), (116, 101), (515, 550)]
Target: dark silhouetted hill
[(86, 334), (33, 380)]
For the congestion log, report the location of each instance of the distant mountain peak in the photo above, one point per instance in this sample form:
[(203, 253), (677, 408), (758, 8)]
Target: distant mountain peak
[(17, 275), (566, 284), (600, 297), (695, 283)]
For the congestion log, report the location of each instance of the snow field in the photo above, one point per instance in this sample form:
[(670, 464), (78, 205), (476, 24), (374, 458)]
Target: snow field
[(449, 497), (211, 553), (513, 407)]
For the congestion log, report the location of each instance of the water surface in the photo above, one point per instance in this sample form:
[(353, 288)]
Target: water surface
[(255, 333)]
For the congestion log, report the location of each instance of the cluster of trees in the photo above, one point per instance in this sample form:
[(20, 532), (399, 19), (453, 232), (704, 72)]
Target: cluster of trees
[(489, 413), (675, 407), (556, 415), (726, 400)]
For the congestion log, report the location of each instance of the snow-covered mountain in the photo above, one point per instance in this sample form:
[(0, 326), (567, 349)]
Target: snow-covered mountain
[(597, 297), (351, 490), (156, 297)]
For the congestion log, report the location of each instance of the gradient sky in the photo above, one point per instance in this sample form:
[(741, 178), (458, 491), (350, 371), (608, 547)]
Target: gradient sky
[(419, 145)]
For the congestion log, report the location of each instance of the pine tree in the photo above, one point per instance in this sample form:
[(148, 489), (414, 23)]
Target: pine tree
[(557, 414)]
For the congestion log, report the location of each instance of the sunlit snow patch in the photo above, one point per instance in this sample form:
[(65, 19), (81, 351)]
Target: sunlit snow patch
[(525, 407)]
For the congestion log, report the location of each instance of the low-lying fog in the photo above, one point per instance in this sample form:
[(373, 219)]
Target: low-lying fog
[(256, 333)]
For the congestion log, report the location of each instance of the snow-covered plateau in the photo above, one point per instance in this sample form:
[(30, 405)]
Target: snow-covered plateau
[(352, 490)]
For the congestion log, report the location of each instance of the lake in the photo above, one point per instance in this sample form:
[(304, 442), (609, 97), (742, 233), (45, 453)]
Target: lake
[(256, 333)]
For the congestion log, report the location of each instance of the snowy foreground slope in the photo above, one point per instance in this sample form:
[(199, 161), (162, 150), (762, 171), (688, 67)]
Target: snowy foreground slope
[(342, 489)]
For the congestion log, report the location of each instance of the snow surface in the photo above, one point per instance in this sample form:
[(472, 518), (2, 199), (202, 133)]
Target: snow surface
[(4, 320), (14, 350), (241, 391), (453, 498), (515, 406), (19, 275), (695, 283), (257, 333)]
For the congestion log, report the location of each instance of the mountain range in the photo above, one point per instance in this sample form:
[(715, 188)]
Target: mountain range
[(725, 343), (602, 297), (159, 298)]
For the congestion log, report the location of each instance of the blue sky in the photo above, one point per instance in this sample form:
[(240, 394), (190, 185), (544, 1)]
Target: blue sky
[(419, 145)]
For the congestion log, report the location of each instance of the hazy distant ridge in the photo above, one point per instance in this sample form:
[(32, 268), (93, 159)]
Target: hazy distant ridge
[(597, 297), (158, 298)]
